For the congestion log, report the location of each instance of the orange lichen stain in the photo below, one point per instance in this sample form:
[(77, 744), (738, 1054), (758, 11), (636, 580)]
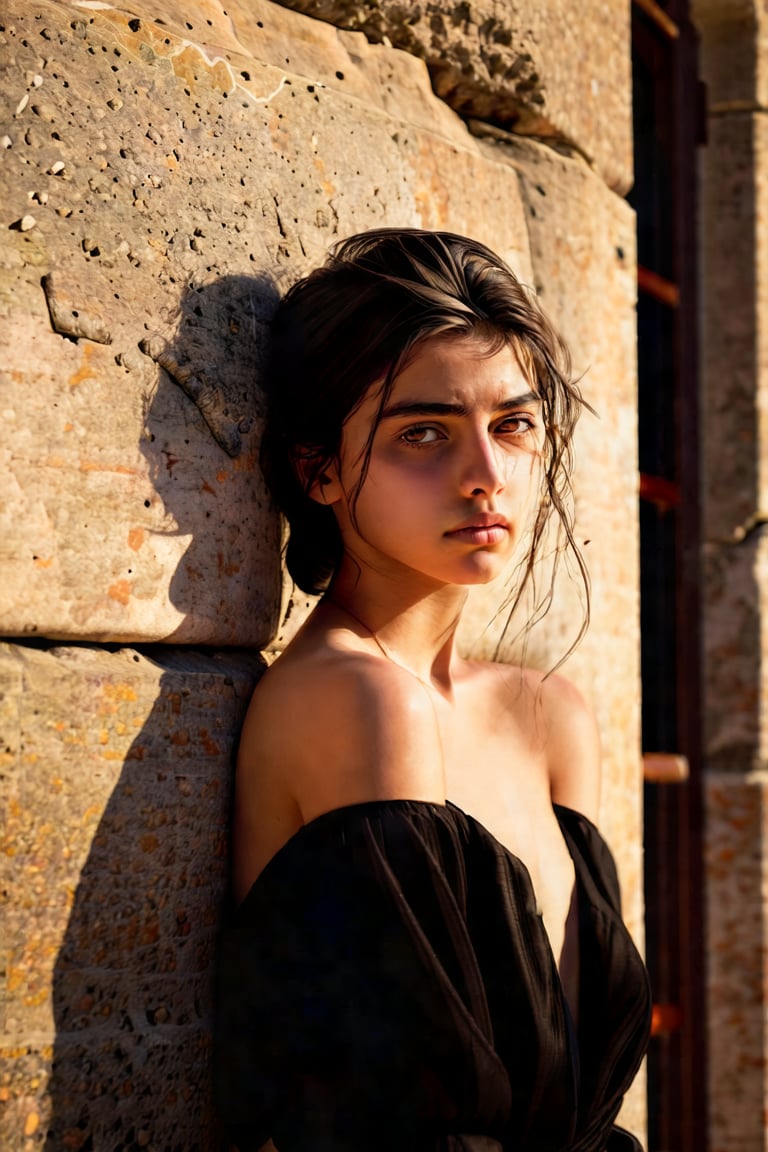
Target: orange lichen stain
[(120, 591), (186, 65), (205, 487), (97, 466), (4, 1095), (16, 977), (112, 754), (43, 561), (222, 475), (119, 692), (60, 725), (245, 463), (31, 1124), (104, 736), (151, 933), (68, 426), (210, 746), (170, 162), (73, 1139), (85, 371), (35, 1001), (136, 538), (226, 568), (325, 184), (91, 813), (30, 758)]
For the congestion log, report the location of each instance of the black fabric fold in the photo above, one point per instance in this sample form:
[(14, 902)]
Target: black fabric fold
[(387, 984)]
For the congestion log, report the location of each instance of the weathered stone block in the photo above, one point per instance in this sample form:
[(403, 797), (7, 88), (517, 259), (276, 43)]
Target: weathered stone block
[(553, 70), (736, 839), (116, 790), (735, 637), (176, 185), (734, 329), (732, 53)]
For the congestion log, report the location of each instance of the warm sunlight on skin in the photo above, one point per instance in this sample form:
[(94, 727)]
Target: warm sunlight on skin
[(453, 471)]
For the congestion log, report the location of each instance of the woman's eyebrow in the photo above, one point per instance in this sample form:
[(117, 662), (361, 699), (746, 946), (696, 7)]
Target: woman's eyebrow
[(443, 408)]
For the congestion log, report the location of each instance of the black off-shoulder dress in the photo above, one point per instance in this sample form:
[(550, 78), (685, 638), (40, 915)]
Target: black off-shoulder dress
[(387, 985)]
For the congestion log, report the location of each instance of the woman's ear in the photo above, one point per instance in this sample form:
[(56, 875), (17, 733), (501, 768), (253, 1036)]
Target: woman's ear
[(323, 486), (326, 488)]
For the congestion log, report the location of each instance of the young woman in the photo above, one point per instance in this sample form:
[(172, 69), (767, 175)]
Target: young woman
[(427, 952)]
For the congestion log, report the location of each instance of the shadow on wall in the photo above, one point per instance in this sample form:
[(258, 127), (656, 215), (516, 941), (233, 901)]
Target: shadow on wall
[(132, 984)]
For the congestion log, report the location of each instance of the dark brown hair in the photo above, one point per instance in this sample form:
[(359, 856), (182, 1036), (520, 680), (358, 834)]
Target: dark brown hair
[(353, 323)]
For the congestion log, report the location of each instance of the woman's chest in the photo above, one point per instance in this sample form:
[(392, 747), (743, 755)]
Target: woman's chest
[(501, 779)]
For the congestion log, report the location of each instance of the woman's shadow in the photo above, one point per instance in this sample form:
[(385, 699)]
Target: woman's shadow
[(132, 988)]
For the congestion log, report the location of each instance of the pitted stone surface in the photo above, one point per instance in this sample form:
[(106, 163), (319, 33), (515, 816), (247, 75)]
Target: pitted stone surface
[(116, 772), (735, 636), (736, 840), (555, 70), (734, 305), (177, 186), (734, 328)]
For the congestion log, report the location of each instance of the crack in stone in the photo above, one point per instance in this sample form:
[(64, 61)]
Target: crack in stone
[(742, 532)]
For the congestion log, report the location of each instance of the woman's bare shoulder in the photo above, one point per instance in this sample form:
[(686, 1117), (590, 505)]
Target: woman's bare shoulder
[(573, 747), (332, 728), (557, 723), (338, 705)]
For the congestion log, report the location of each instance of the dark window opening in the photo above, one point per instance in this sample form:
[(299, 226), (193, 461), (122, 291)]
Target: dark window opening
[(666, 134)]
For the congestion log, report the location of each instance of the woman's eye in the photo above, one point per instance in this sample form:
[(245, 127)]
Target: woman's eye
[(420, 435), (516, 425)]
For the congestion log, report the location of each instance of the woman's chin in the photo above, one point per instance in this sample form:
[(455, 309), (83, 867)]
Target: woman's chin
[(483, 570)]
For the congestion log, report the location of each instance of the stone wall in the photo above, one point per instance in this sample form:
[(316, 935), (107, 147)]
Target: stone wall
[(168, 169), (734, 255)]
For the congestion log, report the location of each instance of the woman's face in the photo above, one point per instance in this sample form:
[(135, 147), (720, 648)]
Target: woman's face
[(454, 467)]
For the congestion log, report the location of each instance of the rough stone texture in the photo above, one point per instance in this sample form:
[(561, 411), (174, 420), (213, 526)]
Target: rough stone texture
[(737, 958), (735, 330), (735, 443), (734, 61), (116, 774), (736, 640), (195, 175), (734, 197), (555, 70)]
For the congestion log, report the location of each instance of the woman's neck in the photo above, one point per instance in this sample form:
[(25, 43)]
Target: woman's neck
[(412, 627)]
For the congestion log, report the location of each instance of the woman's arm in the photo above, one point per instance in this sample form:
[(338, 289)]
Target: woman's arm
[(572, 747)]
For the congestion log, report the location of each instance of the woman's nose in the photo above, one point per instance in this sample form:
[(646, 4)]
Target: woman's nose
[(481, 468)]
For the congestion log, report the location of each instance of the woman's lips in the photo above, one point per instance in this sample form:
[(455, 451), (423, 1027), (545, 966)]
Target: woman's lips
[(484, 528)]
